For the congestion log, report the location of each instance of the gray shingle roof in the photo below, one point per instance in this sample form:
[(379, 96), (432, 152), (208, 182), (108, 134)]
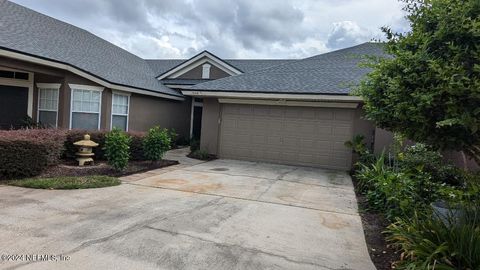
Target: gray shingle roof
[(26, 31), (329, 73), (160, 66)]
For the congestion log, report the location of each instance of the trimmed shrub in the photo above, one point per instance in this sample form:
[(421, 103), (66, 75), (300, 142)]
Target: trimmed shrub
[(28, 152), (156, 143), (117, 149), (136, 145)]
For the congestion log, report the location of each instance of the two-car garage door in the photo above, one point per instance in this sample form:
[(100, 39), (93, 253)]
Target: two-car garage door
[(308, 136)]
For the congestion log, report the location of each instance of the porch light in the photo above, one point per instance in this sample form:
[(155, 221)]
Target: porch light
[(85, 147)]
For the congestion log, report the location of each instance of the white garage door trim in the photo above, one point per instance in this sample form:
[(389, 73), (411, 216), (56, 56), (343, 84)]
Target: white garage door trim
[(306, 136)]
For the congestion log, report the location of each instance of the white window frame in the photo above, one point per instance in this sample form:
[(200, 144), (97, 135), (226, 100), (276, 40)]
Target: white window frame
[(41, 86), (89, 88), (21, 83), (206, 71), (128, 108)]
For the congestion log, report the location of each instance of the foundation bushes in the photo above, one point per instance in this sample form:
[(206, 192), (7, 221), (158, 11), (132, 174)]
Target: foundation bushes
[(136, 144), (28, 152)]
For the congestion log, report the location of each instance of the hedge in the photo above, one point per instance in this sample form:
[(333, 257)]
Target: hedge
[(27, 152)]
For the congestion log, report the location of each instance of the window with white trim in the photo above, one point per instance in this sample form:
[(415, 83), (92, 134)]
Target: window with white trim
[(120, 105), (86, 104), (206, 71), (48, 106)]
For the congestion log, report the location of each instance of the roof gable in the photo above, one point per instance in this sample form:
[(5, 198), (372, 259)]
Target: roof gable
[(330, 73), (197, 60)]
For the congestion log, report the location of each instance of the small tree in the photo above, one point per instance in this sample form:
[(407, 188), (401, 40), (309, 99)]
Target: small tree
[(117, 149), (429, 90), (156, 143)]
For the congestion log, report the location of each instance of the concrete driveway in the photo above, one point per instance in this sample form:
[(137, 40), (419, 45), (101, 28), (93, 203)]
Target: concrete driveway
[(222, 214)]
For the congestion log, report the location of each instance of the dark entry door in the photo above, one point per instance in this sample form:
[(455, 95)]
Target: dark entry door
[(13, 106), (197, 122)]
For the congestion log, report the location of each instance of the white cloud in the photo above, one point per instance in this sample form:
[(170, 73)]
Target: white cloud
[(346, 33), (228, 28)]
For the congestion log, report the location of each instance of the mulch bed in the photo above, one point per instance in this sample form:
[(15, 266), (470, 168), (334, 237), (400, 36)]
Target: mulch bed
[(374, 224), (209, 158), (71, 168)]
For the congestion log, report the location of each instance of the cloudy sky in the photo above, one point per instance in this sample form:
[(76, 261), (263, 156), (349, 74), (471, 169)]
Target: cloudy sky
[(228, 28)]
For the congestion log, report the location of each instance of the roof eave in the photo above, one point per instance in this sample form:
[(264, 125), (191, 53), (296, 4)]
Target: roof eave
[(10, 53), (340, 97)]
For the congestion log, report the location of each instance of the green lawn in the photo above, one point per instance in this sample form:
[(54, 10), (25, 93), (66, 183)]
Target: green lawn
[(67, 182)]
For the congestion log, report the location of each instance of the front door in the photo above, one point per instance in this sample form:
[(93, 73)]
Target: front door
[(13, 106), (197, 122)]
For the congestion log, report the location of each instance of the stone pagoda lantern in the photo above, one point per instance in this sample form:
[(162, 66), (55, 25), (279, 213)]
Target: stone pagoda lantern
[(85, 153)]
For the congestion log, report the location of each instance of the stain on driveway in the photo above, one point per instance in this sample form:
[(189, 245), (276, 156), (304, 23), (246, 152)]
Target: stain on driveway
[(192, 216)]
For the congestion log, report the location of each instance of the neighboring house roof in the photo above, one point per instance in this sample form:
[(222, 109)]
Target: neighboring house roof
[(161, 66), (28, 32), (330, 73)]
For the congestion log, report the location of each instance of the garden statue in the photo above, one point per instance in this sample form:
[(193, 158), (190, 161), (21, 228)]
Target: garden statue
[(85, 153)]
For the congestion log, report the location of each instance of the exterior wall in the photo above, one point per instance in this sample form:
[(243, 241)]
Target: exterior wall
[(196, 73), (147, 111), (383, 140), (363, 127), (144, 112), (210, 125)]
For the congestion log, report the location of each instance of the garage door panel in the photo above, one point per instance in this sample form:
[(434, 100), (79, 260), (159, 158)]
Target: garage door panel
[(291, 135), (342, 132), (275, 125), (343, 115), (325, 131), (276, 111), (243, 126), (324, 114)]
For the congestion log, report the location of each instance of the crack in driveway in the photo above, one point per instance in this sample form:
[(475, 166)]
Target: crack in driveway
[(246, 249), (245, 199)]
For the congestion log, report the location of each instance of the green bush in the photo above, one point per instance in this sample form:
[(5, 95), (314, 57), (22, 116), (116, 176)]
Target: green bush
[(156, 143), (117, 149), (428, 242), (397, 193), (194, 145), (173, 138), (27, 153), (136, 145), (359, 148), (419, 157)]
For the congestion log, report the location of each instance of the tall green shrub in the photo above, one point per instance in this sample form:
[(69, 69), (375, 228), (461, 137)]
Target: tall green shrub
[(428, 242), (117, 149), (156, 143), (429, 90)]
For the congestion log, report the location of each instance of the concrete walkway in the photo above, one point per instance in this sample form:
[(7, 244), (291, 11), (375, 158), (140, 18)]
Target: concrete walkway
[(221, 214)]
